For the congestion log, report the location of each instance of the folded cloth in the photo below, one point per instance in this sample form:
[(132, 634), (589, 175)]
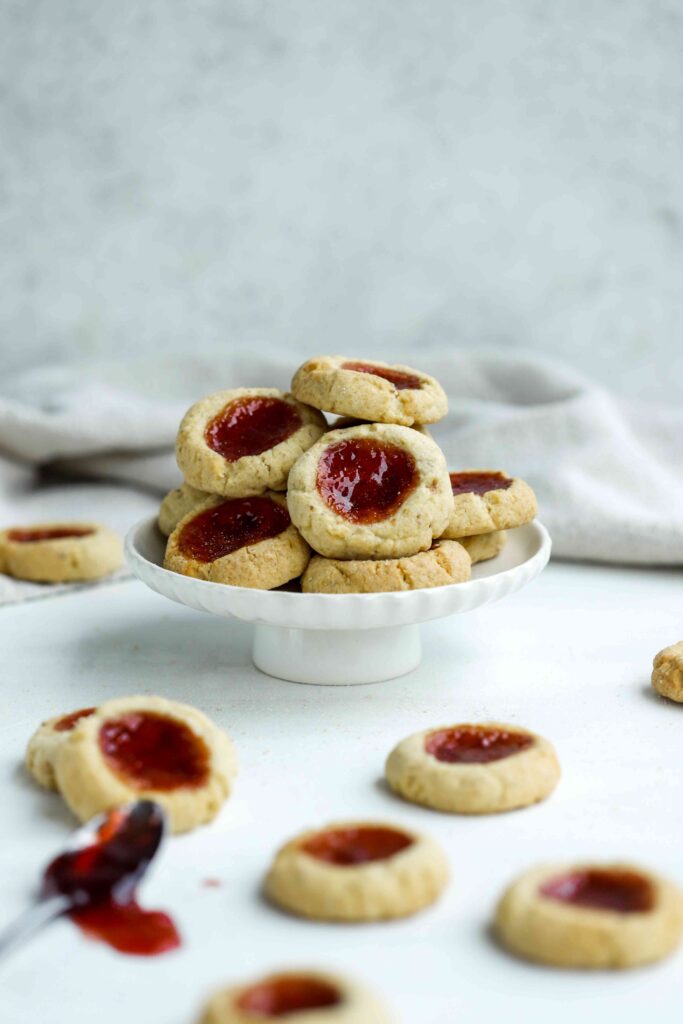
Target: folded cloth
[(608, 473)]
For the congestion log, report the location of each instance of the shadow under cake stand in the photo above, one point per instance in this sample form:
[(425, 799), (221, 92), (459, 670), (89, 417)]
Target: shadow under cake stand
[(340, 638)]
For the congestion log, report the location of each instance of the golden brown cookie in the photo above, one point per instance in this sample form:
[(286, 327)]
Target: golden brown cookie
[(484, 546), (590, 915), (344, 422), (485, 500), (147, 748), (63, 552), (245, 441), (243, 542), (667, 672), (41, 752), (357, 871), (473, 769), (370, 390), (446, 562), (306, 996), (177, 504), (378, 491)]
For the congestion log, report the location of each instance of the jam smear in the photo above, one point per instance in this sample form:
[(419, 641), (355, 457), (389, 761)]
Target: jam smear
[(154, 752), (38, 533), (625, 892), (67, 722), (234, 524), (475, 744), (250, 426), (347, 847), (479, 483), (100, 881), (365, 480), (288, 993), (401, 380)]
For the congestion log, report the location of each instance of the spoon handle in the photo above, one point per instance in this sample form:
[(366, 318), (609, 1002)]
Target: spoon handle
[(31, 921)]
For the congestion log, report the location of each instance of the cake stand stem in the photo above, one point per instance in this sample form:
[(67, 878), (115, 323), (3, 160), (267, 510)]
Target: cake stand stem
[(332, 657)]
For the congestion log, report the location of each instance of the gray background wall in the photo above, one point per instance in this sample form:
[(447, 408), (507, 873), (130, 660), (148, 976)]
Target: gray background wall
[(358, 175)]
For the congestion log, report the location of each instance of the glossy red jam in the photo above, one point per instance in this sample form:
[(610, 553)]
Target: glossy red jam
[(232, 525), (249, 426), (401, 380), (479, 483), (475, 744), (288, 993), (364, 480), (153, 752), (67, 722), (346, 847), (625, 892), (32, 536)]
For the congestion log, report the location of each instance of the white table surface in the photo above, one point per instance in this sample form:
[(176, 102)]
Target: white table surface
[(570, 656)]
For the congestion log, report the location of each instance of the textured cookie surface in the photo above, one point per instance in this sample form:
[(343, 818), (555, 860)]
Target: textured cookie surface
[(481, 768), (370, 390), (590, 916), (446, 562), (227, 445), (667, 672), (177, 504), (484, 546), (486, 500), (60, 552), (137, 748), (378, 491), (41, 752)]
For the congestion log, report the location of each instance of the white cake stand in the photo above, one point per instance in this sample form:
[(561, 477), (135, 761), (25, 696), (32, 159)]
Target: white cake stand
[(340, 638)]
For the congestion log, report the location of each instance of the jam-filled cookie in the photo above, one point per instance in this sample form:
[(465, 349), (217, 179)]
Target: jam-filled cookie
[(590, 915), (344, 422), (378, 491), (484, 546), (667, 672), (245, 441), (357, 871), (244, 542), (177, 504), (41, 752), (147, 748), (60, 552), (306, 996), (370, 390), (446, 562), (473, 769), (485, 500)]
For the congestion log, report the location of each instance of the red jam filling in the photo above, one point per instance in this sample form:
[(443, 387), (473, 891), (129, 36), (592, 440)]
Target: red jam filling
[(232, 525), (475, 744), (32, 536), (67, 722), (154, 752), (288, 993), (479, 483), (625, 892), (249, 426), (365, 481), (402, 381), (347, 847)]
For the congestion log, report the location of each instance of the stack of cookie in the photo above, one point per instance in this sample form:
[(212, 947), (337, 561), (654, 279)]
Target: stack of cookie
[(273, 493)]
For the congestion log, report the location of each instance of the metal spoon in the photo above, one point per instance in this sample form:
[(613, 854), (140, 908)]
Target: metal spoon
[(104, 859)]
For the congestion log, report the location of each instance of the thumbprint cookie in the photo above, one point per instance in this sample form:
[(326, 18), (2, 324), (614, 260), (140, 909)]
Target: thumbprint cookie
[(344, 422), (245, 441), (306, 996), (147, 748), (378, 491), (667, 672), (41, 752), (369, 390), (446, 562), (177, 504), (60, 552), (486, 500), (473, 769), (357, 871), (484, 546), (590, 916), (244, 542)]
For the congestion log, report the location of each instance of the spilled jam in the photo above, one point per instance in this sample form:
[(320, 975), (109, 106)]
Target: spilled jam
[(154, 752), (347, 847), (250, 426), (366, 481), (475, 744), (401, 380), (234, 524)]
